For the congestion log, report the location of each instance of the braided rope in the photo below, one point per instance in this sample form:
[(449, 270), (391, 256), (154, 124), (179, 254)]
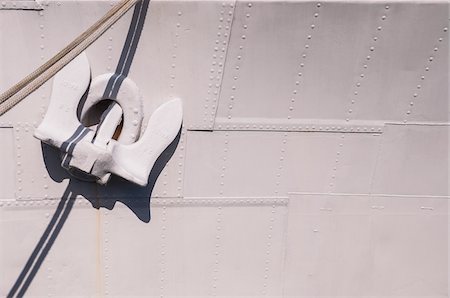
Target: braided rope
[(37, 78)]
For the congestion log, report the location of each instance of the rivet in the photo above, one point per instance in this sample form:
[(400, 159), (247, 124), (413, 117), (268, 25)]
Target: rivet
[(313, 26), (445, 29), (309, 37), (318, 4), (379, 28), (179, 13), (383, 17), (249, 5)]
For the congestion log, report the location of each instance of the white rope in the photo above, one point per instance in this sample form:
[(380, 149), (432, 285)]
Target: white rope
[(34, 80)]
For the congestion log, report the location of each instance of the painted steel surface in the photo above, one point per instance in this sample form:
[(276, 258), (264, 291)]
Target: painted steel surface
[(312, 161)]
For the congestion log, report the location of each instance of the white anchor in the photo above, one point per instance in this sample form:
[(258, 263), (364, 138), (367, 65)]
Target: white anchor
[(95, 154)]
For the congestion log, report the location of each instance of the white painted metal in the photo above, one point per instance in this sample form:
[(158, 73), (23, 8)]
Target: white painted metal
[(126, 158), (329, 183)]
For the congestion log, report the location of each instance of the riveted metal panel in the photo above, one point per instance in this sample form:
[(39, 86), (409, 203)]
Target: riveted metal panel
[(330, 162), (366, 246), (408, 65), (7, 164), (354, 164), (413, 159), (170, 183), (346, 61), (78, 248), (72, 248), (232, 163), (196, 248)]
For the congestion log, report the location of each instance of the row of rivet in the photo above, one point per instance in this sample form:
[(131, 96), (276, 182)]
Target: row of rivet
[(44, 98), (19, 124), (426, 69), (243, 33), (182, 203), (357, 87), (21, 133), (365, 65), (173, 65), (168, 202), (162, 265), (180, 163), (215, 274), (172, 80), (269, 248), (305, 128), (19, 170), (279, 170), (217, 64), (43, 88), (224, 165), (106, 252), (109, 46), (25, 5), (303, 61)]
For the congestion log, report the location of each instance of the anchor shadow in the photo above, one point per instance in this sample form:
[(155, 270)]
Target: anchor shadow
[(135, 197)]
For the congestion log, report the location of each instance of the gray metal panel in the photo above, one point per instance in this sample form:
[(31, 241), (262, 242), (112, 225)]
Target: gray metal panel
[(323, 61), (75, 251), (197, 248), (235, 163), (366, 246), (413, 159), (231, 164)]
